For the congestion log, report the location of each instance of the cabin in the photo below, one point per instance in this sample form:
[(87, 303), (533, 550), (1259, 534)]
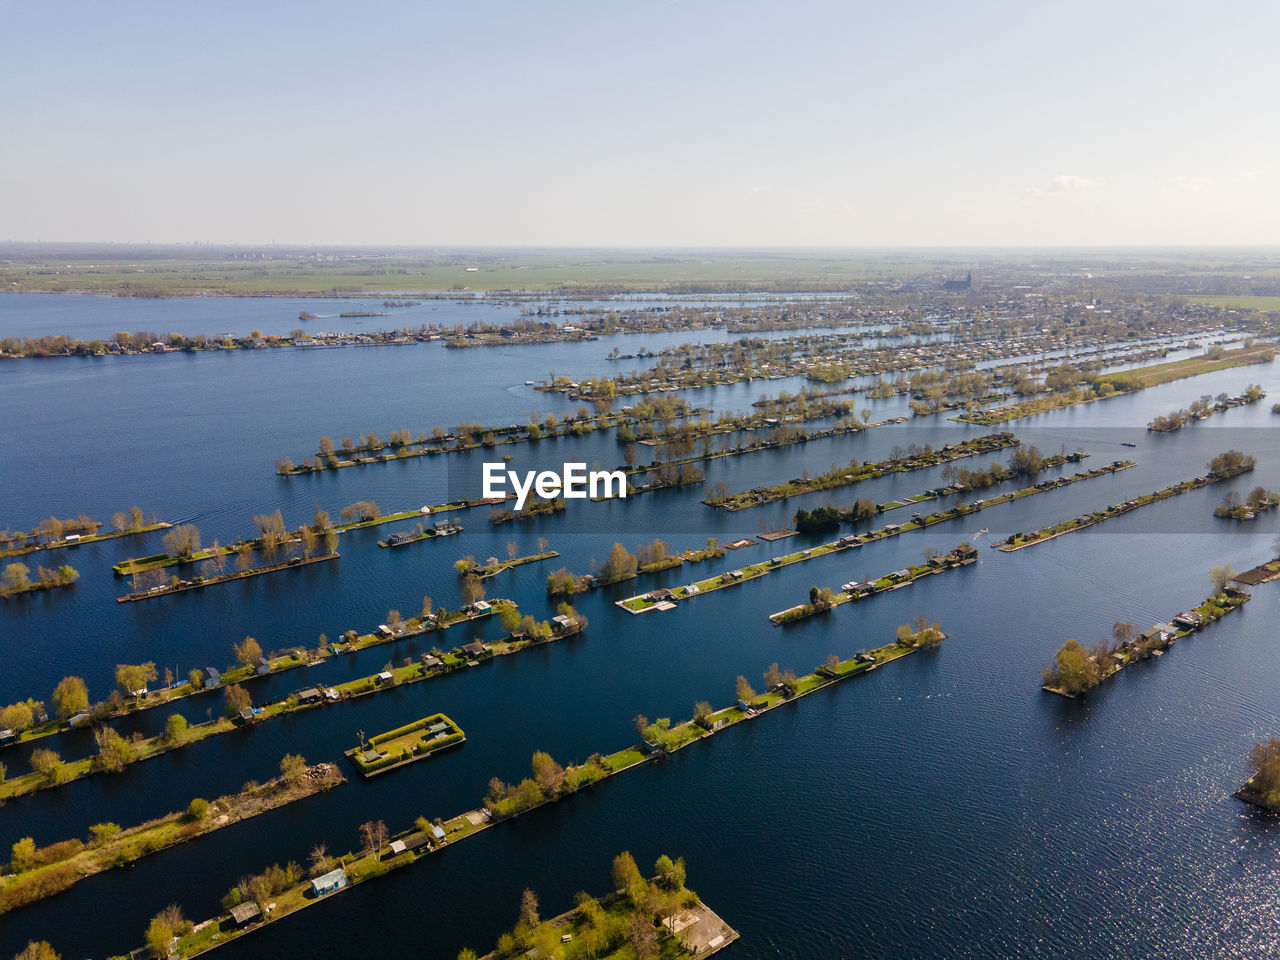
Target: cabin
[(385, 677), (430, 661), (212, 677), (662, 593), (563, 624), (1159, 631), (308, 695), (412, 842), (475, 648), (899, 575), (385, 631), (245, 715), (331, 881), (243, 913), (692, 590), (481, 606), (400, 538)]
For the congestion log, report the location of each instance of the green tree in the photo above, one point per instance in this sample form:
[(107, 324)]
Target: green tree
[(509, 617), (293, 767), (627, 878), (236, 699), (45, 762), (24, 855), (175, 728), (1072, 671), (670, 873), (38, 950), (134, 677), (101, 833), (18, 716), (114, 751), (621, 563), (197, 809), (70, 697), (249, 652), (159, 936), (17, 576)]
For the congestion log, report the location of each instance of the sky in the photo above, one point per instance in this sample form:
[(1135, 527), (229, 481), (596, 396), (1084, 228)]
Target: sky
[(641, 122)]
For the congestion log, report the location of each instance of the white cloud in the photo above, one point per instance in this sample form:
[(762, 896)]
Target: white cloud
[(1063, 183)]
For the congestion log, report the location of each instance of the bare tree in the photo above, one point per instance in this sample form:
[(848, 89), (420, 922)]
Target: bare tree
[(373, 834)]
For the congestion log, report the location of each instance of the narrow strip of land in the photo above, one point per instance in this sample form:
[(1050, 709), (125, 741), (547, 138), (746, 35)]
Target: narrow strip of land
[(1075, 671), (855, 473), (62, 865), (1018, 541)]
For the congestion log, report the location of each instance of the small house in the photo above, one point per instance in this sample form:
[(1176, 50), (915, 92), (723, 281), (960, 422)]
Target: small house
[(245, 715), (438, 729), (474, 648), (308, 695), (243, 913), (900, 575), (385, 632), (481, 606), (437, 833), (212, 677), (331, 881), (563, 624), (430, 661), (385, 677)]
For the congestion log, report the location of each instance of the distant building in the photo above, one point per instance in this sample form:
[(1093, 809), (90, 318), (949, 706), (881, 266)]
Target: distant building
[(965, 284)]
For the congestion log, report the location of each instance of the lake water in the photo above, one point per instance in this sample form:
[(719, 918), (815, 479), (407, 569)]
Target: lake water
[(943, 806)]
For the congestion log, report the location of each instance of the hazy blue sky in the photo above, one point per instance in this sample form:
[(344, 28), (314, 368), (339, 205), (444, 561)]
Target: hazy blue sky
[(627, 122)]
